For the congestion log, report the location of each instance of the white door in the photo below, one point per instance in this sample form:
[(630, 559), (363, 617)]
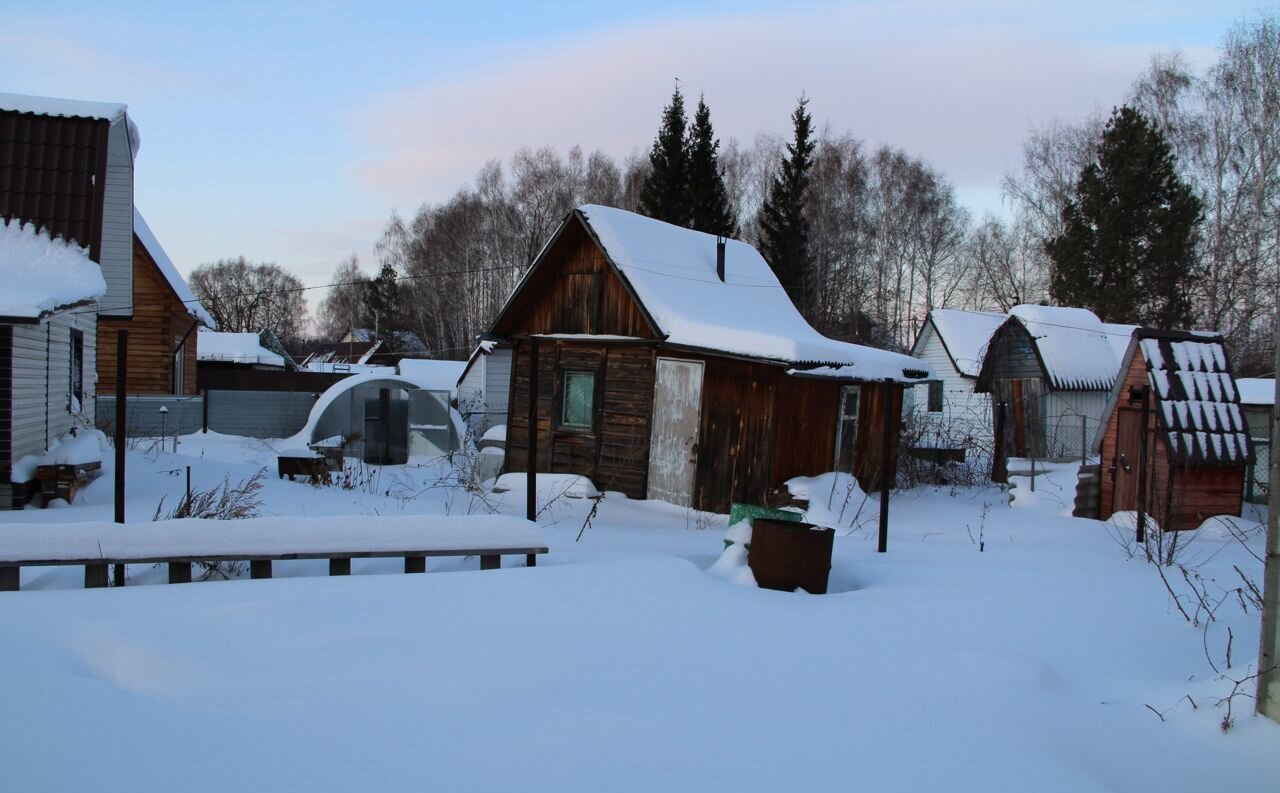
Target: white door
[(673, 444)]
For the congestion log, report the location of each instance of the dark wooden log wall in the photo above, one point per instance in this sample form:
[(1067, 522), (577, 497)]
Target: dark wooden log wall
[(614, 454), (574, 290), (159, 321), (1180, 496)]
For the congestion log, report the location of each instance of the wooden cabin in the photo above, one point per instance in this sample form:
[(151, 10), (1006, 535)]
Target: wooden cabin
[(163, 340), (1052, 368), (669, 365), (1189, 462)]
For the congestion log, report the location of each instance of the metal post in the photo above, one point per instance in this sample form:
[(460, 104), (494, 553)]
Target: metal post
[(188, 486), (1268, 698), (204, 410), (531, 480), (1141, 535), (999, 469), (1084, 439), (886, 471), (122, 369), (1033, 474)]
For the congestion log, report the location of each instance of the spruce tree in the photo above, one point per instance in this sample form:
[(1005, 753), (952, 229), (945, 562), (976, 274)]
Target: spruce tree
[(665, 193), (709, 209), (1128, 247), (784, 230), (382, 300)]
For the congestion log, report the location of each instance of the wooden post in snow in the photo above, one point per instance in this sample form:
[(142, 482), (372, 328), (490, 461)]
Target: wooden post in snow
[(531, 480), (886, 473), (122, 414), (1269, 653)]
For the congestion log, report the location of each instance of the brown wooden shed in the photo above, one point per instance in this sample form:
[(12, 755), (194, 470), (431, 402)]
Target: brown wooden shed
[(163, 334), (1189, 463), (673, 367)]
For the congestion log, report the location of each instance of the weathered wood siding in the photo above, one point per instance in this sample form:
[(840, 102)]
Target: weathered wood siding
[(806, 411), (574, 290), (41, 380), (736, 433), (1180, 496), (876, 399), (614, 453), (117, 224), (1011, 355), (160, 322)]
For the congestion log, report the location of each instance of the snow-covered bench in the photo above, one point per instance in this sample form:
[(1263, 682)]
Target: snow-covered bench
[(260, 541)]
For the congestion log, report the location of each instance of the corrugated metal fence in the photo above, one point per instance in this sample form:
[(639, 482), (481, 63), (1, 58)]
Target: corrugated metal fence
[(257, 414)]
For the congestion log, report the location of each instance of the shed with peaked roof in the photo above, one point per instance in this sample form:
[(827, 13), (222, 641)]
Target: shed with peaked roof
[(662, 374), (1051, 368), (1188, 463)]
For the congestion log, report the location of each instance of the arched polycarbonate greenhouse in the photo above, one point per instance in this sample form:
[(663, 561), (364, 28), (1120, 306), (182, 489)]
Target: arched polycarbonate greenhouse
[(384, 419)]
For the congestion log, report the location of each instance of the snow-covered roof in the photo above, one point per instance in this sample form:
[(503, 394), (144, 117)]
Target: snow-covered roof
[(1257, 390), (69, 108), (965, 335), (1197, 398), (40, 274), (72, 108), (169, 271), (235, 348), (672, 271), (1073, 346), (1118, 337), (437, 375)]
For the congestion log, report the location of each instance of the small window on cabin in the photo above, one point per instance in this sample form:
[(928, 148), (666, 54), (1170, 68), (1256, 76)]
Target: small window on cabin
[(75, 391), (847, 430), (577, 409), (935, 396)]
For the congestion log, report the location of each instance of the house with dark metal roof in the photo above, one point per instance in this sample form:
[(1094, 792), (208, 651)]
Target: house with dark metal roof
[(1174, 442)]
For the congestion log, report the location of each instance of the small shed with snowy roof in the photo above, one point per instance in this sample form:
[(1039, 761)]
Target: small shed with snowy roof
[(1052, 369), (672, 365), (954, 343), (1189, 462)]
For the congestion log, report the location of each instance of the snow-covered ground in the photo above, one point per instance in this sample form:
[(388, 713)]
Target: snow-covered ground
[(620, 664)]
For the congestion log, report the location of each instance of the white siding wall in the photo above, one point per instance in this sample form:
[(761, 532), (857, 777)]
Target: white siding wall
[(42, 379), (964, 413), (1064, 412), (485, 391), (117, 224)]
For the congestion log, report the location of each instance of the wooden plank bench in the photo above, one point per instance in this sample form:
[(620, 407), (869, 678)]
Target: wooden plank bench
[(181, 543)]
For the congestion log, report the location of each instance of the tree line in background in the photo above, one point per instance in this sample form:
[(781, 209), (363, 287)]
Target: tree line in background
[(1166, 213)]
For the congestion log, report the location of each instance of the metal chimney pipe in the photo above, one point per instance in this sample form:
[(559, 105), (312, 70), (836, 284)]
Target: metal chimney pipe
[(720, 258)]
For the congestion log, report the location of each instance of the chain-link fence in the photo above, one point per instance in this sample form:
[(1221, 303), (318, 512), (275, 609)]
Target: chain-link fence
[(1257, 482)]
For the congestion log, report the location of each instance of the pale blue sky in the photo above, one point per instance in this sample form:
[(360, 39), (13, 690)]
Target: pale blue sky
[(288, 132)]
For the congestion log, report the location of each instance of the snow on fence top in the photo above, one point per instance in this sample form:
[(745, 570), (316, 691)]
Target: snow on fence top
[(1256, 390), (235, 348), (966, 334), (41, 274), (169, 271), (269, 536), (1073, 345), (1198, 400), (673, 273)]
